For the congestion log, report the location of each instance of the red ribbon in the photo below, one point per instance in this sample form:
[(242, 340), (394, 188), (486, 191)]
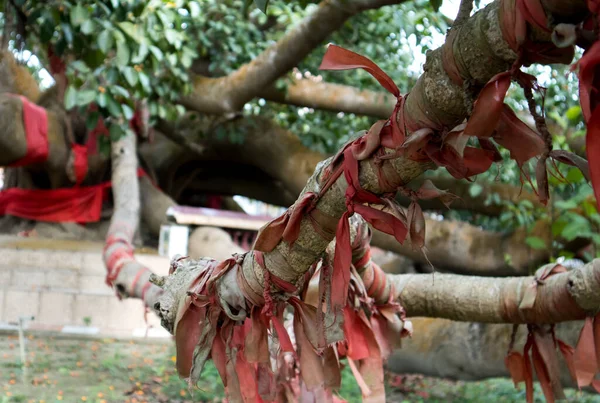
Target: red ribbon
[(35, 120)]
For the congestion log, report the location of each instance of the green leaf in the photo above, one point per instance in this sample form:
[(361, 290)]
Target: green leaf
[(535, 242), (133, 31), (145, 81), (68, 34), (78, 15), (118, 90), (105, 41), (141, 54), (574, 175), (123, 53), (87, 27), (436, 4), (113, 107), (86, 97), (116, 132), (70, 98), (262, 5), (180, 110), (475, 190), (566, 204), (194, 9), (573, 229), (79, 66), (573, 113), (157, 53), (131, 76), (102, 99), (127, 111)]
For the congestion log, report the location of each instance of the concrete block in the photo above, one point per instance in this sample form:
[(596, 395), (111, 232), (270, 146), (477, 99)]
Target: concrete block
[(2, 296), (126, 314), (94, 307), (93, 264), (63, 259), (28, 279), (20, 303), (10, 257), (40, 258), (56, 308), (5, 277), (94, 285), (62, 278)]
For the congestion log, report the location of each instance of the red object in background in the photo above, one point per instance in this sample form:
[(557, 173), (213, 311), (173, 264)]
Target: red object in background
[(35, 120), (214, 202), (81, 204)]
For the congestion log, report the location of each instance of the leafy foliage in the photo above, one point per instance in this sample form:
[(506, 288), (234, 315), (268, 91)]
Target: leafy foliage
[(118, 52)]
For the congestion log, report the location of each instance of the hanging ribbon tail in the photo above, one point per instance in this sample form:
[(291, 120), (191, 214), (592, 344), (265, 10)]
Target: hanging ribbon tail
[(527, 370), (515, 363), (488, 106), (341, 264), (585, 359), (513, 134), (383, 221), (270, 235), (204, 346), (592, 142), (338, 58), (542, 375), (429, 191), (292, 228), (547, 365), (218, 355), (311, 366), (568, 353), (597, 339), (416, 225), (256, 344), (282, 334), (588, 93)]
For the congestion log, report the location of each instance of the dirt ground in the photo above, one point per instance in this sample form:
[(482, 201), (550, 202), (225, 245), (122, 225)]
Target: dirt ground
[(75, 370)]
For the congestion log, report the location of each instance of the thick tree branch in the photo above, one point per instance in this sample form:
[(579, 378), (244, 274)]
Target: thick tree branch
[(228, 94), (315, 94), (455, 246), (561, 297), (125, 274)]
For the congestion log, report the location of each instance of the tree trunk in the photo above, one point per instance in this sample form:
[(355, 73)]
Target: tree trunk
[(125, 274)]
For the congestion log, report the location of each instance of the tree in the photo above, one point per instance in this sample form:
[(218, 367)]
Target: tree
[(194, 70)]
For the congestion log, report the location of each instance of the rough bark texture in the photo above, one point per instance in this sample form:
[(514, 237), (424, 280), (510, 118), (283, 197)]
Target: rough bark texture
[(315, 94), (562, 297)]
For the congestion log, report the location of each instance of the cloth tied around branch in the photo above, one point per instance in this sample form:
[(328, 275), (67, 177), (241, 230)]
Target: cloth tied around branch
[(206, 327)]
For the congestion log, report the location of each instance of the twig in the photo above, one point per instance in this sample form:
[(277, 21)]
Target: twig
[(464, 12)]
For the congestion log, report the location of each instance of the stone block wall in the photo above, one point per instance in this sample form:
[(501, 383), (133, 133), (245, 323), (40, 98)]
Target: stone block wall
[(61, 284)]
